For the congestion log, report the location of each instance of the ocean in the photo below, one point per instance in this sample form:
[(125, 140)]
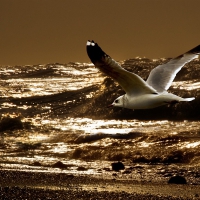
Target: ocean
[(54, 118)]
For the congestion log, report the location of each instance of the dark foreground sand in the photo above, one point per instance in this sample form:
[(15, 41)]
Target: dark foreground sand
[(45, 185)]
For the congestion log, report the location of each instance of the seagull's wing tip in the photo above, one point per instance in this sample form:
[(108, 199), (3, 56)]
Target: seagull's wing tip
[(195, 50), (94, 52), (88, 43), (91, 43)]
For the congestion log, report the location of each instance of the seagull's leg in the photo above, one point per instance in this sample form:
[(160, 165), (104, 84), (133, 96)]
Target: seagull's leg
[(171, 103)]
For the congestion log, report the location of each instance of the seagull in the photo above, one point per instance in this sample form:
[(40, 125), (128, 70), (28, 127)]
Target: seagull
[(140, 94)]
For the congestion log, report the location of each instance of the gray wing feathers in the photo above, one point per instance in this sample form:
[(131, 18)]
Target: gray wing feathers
[(162, 76), (130, 82), (159, 80)]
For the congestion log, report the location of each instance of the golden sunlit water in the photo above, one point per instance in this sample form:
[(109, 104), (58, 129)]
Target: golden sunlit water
[(84, 144)]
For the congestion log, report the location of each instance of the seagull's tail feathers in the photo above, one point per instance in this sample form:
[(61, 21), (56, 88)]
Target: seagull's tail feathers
[(188, 99)]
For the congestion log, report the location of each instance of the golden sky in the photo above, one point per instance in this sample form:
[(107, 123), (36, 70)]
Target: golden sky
[(47, 31)]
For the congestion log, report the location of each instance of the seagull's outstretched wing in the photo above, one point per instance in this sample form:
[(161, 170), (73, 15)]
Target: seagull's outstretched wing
[(162, 76), (130, 82)]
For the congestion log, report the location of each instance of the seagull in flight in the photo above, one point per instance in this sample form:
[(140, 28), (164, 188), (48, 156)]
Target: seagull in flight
[(142, 94)]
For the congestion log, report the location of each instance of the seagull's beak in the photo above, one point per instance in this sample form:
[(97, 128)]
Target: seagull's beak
[(109, 106)]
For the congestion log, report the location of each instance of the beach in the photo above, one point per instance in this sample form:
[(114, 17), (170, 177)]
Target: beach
[(58, 139), (36, 185)]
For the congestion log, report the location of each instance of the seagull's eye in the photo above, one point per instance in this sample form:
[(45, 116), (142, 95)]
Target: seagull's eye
[(117, 101)]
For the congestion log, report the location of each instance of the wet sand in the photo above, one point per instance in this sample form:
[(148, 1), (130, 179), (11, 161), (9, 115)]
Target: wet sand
[(45, 185)]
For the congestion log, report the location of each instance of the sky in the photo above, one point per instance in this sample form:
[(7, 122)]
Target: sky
[(50, 31)]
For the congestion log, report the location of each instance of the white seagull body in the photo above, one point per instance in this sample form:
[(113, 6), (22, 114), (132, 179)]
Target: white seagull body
[(141, 94)]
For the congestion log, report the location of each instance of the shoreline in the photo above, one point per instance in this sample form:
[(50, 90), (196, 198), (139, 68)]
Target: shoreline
[(48, 185)]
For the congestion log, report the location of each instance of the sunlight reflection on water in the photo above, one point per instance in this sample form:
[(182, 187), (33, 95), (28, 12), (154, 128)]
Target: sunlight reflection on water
[(186, 85), (19, 88), (190, 144), (58, 137), (119, 126)]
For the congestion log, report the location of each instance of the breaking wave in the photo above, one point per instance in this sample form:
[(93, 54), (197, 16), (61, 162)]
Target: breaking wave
[(89, 100)]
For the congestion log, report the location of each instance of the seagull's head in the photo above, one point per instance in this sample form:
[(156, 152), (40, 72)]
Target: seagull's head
[(119, 102)]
